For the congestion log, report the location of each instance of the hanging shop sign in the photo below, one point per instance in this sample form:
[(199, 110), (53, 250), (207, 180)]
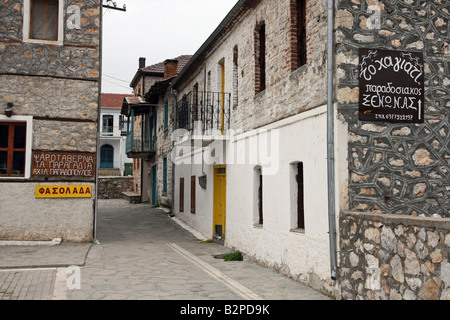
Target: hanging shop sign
[(44, 192), (74, 164), (391, 85)]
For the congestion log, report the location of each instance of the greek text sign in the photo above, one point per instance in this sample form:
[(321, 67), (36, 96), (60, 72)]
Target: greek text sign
[(391, 86), (63, 164), (63, 192)]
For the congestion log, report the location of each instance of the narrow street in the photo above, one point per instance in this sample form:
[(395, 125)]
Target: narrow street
[(142, 254)]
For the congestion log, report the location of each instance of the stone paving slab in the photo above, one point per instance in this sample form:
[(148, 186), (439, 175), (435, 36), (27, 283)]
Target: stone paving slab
[(134, 259)]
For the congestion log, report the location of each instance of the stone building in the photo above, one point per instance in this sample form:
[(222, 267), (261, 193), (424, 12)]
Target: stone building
[(149, 141), (319, 146), (49, 96)]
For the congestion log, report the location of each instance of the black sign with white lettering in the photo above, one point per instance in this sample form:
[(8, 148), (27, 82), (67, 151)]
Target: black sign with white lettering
[(391, 85)]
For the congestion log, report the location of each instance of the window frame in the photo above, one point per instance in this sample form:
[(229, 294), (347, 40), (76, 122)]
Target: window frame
[(27, 24), (28, 120)]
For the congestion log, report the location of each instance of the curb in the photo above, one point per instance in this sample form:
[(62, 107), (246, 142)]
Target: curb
[(53, 242)]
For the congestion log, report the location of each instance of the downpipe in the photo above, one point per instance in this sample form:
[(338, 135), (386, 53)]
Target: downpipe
[(330, 141)]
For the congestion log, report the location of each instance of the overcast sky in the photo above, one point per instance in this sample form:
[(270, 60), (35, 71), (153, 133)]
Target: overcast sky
[(157, 30)]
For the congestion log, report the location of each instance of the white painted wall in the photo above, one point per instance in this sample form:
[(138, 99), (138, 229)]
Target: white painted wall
[(274, 243), (44, 219)]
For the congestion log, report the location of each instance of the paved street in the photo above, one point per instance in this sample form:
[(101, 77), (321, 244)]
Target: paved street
[(142, 254)]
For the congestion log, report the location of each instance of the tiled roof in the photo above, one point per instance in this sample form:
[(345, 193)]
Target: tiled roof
[(113, 100), (159, 67)]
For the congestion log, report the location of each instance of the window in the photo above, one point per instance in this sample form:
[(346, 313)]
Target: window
[(298, 196), (166, 115), (122, 127), (181, 194), (260, 57), (193, 184), (108, 124), (13, 143), (298, 34), (258, 183), (165, 175), (235, 76), (43, 21), (195, 103)]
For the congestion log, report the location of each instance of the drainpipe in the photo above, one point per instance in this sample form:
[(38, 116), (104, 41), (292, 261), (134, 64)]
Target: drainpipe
[(330, 142)]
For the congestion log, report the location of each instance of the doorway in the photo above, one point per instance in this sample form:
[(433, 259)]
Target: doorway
[(106, 157), (154, 187), (220, 200)]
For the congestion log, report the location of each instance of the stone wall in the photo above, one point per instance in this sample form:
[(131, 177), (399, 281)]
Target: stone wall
[(112, 187), (393, 167), (386, 257), (395, 243), (54, 86)]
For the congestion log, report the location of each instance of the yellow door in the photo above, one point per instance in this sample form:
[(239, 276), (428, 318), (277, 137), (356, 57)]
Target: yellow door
[(220, 201)]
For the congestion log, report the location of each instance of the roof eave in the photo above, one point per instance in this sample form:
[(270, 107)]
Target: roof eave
[(230, 16)]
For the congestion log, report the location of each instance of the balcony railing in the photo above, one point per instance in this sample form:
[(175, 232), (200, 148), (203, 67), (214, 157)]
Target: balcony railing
[(139, 146), (211, 109)]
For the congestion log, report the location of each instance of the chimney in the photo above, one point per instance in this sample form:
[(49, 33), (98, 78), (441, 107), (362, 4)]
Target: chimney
[(170, 68), (141, 63)]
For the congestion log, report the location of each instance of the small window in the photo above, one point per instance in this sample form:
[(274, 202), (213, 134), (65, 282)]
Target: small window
[(166, 115), (181, 194), (298, 34), (43, 21), (258, 192), (13, 138), (193, 195), (297, 196), (260, 57), (108, 124), (235, 76)]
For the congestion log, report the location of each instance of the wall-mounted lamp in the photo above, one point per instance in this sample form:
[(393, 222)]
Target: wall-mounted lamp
[(9, 109)]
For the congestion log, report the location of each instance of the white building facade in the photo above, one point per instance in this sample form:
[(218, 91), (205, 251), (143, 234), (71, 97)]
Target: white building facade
[(251, 149), (113, 128)]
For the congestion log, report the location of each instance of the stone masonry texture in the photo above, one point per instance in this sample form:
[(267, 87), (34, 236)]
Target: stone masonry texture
[(394, 238), (55, 85), (391, 258), (397, 168)]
